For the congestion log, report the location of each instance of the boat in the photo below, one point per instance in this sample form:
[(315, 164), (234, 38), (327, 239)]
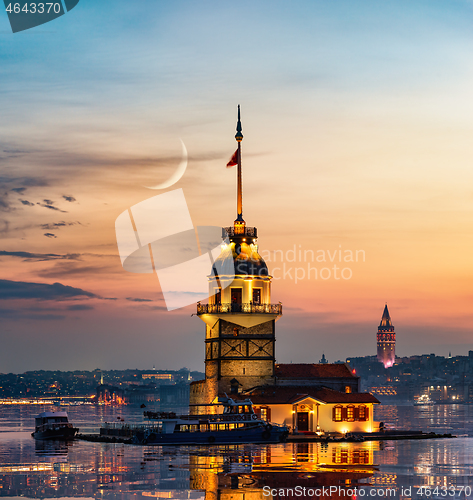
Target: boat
[(54, 425), (424, 400), (237, 423)]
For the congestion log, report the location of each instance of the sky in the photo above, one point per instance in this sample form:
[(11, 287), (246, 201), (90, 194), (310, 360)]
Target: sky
[(357, 141)]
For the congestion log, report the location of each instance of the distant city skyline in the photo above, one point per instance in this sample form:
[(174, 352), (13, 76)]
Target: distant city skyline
[(357, 152)]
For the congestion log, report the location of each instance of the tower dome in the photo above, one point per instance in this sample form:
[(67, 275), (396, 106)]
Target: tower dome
[(246, 259)]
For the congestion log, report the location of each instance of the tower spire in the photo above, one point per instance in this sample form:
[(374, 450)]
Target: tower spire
[(386, 319), (386, 340), (239, 224)]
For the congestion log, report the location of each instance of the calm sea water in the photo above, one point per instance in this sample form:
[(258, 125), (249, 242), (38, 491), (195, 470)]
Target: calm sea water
[(436, 468)]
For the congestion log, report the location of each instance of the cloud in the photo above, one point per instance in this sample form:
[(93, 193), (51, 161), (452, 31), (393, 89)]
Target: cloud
[(13, 152), (27, 203), (51, 207), (50, 235), (4, 203), (49, 202), (62, 269), (19, 190), (133, 299), (70, 199), (40, 291), (106, 166), (79, 307), (58, 225), (39, 257), (23, 182)]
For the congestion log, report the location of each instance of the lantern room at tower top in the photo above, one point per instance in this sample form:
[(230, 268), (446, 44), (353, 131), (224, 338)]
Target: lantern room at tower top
[(248, 290)]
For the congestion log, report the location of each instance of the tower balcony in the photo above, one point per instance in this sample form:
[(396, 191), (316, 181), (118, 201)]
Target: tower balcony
[(232, 231), (248, 308)]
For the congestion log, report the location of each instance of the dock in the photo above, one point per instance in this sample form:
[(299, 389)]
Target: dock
[(100, 438), (389, 435)]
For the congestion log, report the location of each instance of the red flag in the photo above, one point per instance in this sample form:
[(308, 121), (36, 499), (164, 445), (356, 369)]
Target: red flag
[(233, 160)]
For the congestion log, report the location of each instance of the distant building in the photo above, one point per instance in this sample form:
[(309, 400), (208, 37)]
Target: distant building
[(109, 394), (176, 395), (140, 394), (135, 394), (165, 377), (386, 339)]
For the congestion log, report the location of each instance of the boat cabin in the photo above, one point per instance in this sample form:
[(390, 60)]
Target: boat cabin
[(234, 415), (59, 417), (231, 407)]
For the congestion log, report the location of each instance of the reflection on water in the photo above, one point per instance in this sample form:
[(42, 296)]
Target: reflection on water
[(308, 465), (455, 419), (36, 469), (52, 448), (93, 469)]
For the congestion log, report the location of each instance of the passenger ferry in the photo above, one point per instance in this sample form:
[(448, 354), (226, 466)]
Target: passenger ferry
[(238, 423), (54, 425), (424, 400)]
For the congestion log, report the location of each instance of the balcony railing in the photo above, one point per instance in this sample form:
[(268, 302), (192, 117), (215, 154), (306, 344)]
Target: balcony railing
[(239, 308), (229, 232)]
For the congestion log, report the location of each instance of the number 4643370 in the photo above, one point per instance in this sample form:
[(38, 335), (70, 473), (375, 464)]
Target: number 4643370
[(34, 8)]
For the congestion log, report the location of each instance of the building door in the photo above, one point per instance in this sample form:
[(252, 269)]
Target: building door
[(236, 295), (257, 296), (303, 421), (236, 299)]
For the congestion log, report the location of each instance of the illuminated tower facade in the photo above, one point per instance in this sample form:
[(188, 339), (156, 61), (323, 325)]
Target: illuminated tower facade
[(239, 317), (386, 340)]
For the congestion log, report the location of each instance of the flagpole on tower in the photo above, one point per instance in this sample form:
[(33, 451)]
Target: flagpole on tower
[(239, 222)]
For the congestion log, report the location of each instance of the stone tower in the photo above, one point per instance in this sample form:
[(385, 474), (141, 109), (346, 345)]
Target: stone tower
[(386, 338), (239, 317)]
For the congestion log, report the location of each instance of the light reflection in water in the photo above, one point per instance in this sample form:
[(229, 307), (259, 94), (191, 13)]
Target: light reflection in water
[(453, 418), (95, 470)]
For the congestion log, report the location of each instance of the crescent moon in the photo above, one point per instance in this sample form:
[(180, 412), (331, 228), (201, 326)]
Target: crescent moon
[(179, 172)]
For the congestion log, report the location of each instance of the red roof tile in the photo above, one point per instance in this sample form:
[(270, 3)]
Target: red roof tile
[(273, 394), (305, 371)]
